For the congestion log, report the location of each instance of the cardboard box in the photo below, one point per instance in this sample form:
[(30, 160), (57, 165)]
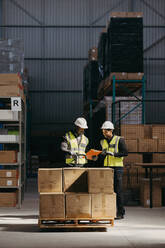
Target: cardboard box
[(158, 158), (148, 131), (126, 14), (9, 173), (161, 145), (11, 90), (78, 206), (132, 145), (8, 182), (10, 78), (50, 180), (132, 131), (133, 158), (156, 193), (100, 180), (135, 76), (158, 132), (103, 206), (75, 180), (161, 174), (8, 199), (8, 156), (52, 205), (147, 145), (133, 177), (118, 75), (125, 177)]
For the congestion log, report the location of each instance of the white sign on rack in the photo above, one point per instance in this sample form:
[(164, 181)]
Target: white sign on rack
[(16, 104)]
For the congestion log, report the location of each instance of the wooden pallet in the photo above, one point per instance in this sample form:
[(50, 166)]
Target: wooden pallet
[(75, 223)]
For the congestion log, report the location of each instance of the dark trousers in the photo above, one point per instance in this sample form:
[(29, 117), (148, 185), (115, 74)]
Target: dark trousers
[(118, 188)]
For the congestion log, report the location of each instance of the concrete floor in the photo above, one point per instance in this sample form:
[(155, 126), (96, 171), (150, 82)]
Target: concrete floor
[(141, 228)]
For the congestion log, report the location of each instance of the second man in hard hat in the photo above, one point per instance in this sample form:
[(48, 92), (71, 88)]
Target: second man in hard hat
[(75, 143), (114, 149)]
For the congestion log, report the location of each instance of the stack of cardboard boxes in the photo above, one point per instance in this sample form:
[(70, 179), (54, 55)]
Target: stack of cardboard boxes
[(8, 178), (11, 85), (145, 143), (76, 193)]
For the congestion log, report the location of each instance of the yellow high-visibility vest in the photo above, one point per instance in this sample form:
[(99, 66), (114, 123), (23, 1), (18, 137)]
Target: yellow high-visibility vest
[(112, 146), (77, 148)]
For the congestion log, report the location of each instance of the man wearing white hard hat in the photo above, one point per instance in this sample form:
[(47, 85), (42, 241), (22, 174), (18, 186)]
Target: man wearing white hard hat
[(75, 143), (114, 149)]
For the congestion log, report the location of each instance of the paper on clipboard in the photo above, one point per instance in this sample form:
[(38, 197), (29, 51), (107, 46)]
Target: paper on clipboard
[(91, 153)]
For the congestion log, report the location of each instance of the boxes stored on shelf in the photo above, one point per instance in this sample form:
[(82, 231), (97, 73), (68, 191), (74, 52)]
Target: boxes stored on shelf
[(133, 158), (135, 76), (158, 158), (9, 173), (50, 180), (8, 115), (132, 131), (132, 145), (9, 138), (147, 145), (75, 180), (11, 90), (10, 78), (103, 206), (100, 180), (161, 145), (125, 104), (8, 156), (8, 182), (78, 205), (148, 131), (161, 174), (158, 131), (52, 205), (11, 85), (127, 14), (156, 192), (8, 198)]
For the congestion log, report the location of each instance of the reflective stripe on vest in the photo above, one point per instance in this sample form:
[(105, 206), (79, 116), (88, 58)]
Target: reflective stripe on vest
[(112, 147), (77, 148)]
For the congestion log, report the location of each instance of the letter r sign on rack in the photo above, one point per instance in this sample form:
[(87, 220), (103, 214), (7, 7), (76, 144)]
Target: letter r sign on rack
[(16, 104)]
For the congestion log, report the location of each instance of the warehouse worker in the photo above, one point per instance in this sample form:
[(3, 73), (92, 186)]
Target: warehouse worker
[(74, 144), (113, 151)]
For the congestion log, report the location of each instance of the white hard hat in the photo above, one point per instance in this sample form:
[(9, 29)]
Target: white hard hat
[(107, 125), (81, 122)]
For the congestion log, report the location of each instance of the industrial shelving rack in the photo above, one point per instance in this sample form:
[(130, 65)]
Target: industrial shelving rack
[(130, 86), (20, 165), (121, 87)]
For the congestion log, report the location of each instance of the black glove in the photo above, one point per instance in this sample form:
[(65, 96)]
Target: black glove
[(94, 158)]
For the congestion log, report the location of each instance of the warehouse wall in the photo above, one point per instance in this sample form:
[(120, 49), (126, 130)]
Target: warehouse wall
[(57, 36)]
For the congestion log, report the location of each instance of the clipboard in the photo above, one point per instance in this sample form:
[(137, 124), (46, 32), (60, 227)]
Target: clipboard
[(91, 153)]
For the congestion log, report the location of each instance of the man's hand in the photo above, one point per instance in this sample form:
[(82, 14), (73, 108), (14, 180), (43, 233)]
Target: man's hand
[(104, 152), (94, 158)]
